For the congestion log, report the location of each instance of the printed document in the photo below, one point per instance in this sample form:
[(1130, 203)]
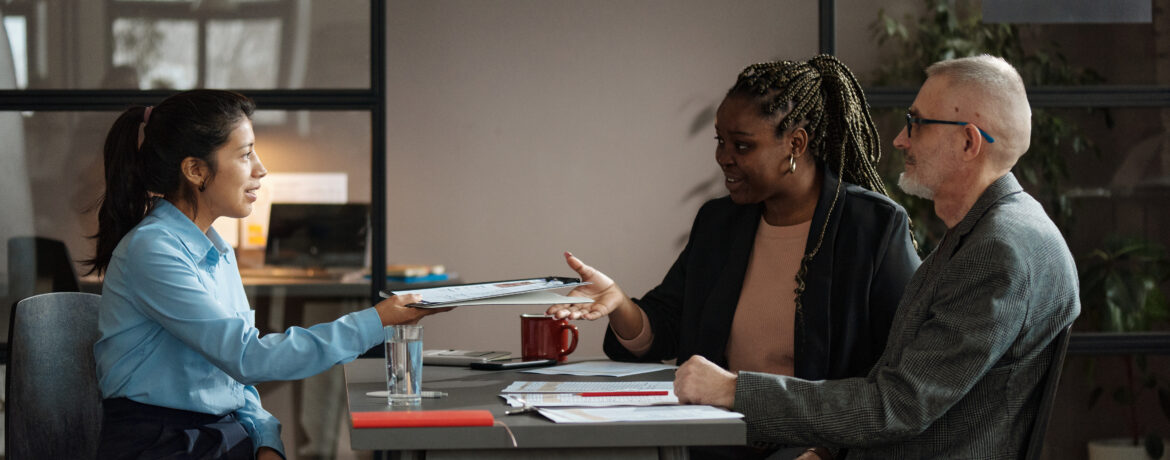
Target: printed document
[(586, 387), (575, 400), (637, 414)]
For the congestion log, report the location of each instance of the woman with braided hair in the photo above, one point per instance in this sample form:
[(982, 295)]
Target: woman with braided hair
[(799, 270)]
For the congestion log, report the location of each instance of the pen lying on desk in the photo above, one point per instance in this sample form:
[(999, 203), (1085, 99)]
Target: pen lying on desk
[(624, 393)]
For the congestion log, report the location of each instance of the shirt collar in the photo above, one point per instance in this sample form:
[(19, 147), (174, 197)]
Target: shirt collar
[(208, 247)]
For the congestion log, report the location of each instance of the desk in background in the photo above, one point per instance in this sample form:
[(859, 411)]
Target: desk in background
[(536, 436)]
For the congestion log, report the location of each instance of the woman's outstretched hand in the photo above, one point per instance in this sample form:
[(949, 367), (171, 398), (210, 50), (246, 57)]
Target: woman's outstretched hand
[(606, 294), (394, 310)]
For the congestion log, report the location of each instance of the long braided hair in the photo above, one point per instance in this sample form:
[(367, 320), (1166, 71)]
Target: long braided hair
[(823, 96)]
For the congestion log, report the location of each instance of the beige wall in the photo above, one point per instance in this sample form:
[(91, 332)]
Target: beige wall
[(521, 129)]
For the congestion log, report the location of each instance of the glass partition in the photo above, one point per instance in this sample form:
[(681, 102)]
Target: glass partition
[(150, 44), (56, 178)]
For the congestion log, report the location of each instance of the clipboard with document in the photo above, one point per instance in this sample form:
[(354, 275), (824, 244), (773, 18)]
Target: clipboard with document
[(530, 291)]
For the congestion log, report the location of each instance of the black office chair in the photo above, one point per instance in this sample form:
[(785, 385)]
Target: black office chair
[(54, 407), (1048, 398), (36, 265)]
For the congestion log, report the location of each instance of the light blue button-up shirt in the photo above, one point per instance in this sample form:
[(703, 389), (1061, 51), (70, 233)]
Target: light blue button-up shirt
[(177, 330)]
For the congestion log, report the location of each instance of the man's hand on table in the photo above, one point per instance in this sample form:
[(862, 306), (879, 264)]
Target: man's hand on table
[(699, 381)]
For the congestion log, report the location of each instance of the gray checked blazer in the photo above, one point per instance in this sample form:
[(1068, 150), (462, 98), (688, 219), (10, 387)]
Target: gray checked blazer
[(970, 344)]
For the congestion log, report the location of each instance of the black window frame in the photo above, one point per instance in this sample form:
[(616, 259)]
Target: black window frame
[(371, 99)]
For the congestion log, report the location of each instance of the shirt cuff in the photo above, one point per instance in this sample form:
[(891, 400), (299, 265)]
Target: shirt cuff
[(268, 435), (278, 446), (640, 344), (370, 327)]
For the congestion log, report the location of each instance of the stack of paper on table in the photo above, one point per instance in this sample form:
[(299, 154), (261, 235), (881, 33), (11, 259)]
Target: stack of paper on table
[(561, 394), (544, 396), (581, 387), (532, 291), (638, 414)]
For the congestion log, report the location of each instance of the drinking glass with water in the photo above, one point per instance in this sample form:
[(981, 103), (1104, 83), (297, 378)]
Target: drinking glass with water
[(404, 364)]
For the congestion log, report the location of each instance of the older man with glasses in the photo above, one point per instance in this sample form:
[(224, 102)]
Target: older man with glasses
[(966, 358)]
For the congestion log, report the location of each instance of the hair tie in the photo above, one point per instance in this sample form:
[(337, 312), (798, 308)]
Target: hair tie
[(142, 126)]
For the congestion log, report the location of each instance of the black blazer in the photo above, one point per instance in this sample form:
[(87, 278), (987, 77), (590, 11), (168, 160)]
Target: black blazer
[(853, 285)]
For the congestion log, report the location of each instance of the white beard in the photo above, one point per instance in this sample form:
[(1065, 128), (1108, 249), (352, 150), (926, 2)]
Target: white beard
[(911, 185)]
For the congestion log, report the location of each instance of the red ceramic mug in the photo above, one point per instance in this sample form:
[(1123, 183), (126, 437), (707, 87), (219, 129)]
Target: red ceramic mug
[(545, 337)]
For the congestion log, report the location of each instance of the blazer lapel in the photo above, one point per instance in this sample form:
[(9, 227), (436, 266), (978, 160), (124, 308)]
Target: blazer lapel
[(719, 307), (1004, 186), (920, 290), (812, 351)]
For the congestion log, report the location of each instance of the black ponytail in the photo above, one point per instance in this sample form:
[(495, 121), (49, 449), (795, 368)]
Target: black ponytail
[(126, 199), (143, 154)]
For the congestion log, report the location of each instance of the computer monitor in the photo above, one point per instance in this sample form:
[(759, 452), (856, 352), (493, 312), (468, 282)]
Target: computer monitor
[(317, 235)]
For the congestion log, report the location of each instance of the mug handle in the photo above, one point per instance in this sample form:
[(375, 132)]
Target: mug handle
[(573, 344)]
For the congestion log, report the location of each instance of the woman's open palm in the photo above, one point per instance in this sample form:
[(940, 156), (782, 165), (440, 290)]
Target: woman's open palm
[(606, 294)]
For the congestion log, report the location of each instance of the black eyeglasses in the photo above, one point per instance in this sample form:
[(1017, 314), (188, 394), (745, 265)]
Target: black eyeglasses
[(911, 120)]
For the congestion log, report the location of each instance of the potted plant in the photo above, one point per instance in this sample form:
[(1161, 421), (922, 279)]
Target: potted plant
[(1120, 292)]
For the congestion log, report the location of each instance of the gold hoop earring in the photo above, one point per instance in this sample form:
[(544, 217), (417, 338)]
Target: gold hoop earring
[(792, 163)]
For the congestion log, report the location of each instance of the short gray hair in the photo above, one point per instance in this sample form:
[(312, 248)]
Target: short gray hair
[(998, 89)]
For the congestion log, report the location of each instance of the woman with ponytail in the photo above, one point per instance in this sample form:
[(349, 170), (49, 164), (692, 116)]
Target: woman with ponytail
[(179, 354), (798, 271)]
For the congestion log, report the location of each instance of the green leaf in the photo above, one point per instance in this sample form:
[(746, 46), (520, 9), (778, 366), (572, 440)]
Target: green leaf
[(1029, 175), (891, 26), (1112, 320), (1156, 307)]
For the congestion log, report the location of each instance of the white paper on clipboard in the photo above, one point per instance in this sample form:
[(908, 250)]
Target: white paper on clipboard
[(532, 291)]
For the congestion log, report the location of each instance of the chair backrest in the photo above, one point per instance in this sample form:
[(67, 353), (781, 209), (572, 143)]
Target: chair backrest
[(36, 265), (54, 406), (1048, 398)]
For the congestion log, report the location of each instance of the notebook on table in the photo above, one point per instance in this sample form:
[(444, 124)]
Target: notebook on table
[(411, 419)]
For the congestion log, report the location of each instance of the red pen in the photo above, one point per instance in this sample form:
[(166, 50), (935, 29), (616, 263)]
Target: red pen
[(624, 393)]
